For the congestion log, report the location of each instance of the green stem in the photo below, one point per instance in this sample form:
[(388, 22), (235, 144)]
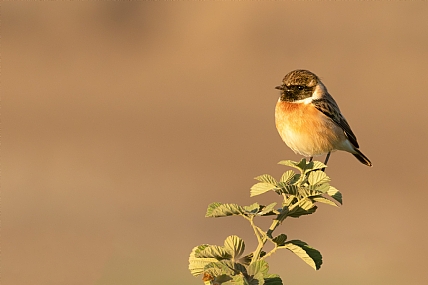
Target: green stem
[(270, 252), (261, 238), (272, 227), (256, 229), (301, 178), (281, 217)]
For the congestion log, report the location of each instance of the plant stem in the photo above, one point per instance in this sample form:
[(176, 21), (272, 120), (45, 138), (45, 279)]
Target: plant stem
[(281, 217), (256, 229), (272, 227), (261, 238), (270, 252)]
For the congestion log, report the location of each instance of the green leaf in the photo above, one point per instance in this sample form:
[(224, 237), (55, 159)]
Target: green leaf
[(280, 239), (335, 194), (273, 279), (318, 177), (214, 251), (223, 210), (246, 260), (259, 266), (269, 210), (287, 176), (320, 188), (306, 208), (288, 189), (219, 268), (260, 188), (257, 279), (211, 208), (295, 178), (238, 267), (237, 280), (235, 246), (283, 214), (222, 279), (308, 166), (252, 209), (290, 163), (300, 212), (267, 179), (308, 254), (303, 165), (308, 191), (196, 264), (318, 165), (324, 200), (306, 205)]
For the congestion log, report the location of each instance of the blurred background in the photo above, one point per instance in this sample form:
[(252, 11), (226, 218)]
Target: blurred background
[(122, 121)]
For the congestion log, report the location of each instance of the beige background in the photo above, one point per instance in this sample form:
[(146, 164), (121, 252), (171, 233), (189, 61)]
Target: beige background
[(122, 121)]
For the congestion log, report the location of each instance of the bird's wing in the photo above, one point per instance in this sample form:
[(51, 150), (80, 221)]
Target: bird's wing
[(329, 108)]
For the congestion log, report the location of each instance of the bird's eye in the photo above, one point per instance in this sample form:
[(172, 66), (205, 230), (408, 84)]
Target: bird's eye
[(300, 87)]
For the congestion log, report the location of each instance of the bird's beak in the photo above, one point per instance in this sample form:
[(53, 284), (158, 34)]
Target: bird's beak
[(281, 87)]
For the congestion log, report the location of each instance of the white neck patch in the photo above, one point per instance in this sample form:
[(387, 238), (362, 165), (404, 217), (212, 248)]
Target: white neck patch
[(305, 101), (319, 91)]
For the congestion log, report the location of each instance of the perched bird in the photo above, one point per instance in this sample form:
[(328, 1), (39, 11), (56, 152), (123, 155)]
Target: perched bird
[(309, 120)]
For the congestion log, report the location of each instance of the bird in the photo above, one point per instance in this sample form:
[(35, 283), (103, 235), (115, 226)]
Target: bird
[(309, 120)]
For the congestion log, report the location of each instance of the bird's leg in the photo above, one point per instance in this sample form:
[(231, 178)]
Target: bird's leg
[(310, 159), (326, 160)]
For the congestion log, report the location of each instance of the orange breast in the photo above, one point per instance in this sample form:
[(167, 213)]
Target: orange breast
[(306, 130)]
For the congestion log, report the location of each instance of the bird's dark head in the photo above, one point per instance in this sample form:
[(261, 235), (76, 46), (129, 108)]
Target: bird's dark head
[(298, 85)]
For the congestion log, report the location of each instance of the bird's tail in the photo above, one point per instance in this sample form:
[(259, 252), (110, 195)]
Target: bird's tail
[(361, 157)]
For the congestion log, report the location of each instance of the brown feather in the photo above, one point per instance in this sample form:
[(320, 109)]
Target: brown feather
[(329, 108)]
